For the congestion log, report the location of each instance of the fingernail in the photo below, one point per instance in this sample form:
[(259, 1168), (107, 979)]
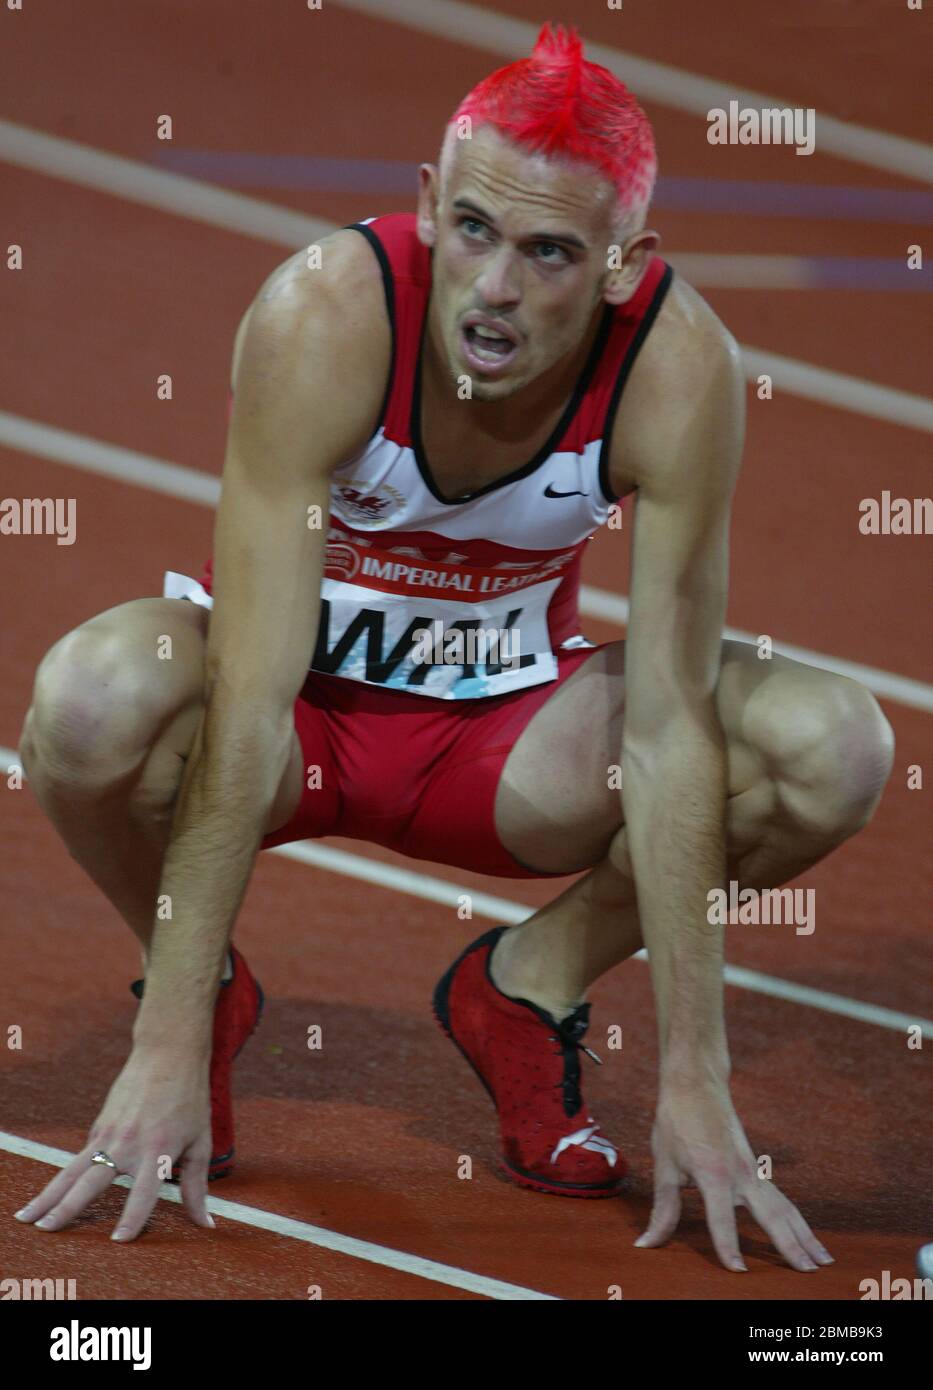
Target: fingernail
[(121, 1233), (46, 1224), (739, 1267), (23, 1214), (825, 1256), (642, 1241), (811, 1265), (211, 1222)]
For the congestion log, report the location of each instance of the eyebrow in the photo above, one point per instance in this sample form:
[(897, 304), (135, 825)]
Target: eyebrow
[(567, 238)]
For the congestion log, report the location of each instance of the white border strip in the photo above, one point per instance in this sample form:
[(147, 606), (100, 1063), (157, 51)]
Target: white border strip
[(505, 910), (174, 480), (382, 1255), (672, 87)]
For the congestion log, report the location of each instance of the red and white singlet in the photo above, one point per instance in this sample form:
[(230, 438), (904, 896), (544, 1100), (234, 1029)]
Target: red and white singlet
[(412, 581)]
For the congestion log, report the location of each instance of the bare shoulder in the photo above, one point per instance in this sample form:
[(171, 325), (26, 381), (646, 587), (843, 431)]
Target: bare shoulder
[(687, 385), (334, 285)]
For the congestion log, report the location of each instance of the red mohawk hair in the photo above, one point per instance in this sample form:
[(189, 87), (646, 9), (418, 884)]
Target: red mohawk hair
[(558, 104)]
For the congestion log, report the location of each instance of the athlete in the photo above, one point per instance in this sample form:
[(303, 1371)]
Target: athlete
[(431, 415)]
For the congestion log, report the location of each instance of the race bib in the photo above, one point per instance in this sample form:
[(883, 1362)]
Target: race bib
[(434, 628), (431, 627), (454, 650)]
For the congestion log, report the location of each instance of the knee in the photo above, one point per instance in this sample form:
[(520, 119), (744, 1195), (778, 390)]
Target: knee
[(833, 748), (91, 708)]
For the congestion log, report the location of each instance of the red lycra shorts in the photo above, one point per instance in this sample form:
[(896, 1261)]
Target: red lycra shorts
[(411, 772)]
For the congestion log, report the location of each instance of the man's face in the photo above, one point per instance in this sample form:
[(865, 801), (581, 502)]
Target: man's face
[(520, 252)]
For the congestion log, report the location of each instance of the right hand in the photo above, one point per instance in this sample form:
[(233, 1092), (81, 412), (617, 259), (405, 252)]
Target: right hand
[(157, 1113)]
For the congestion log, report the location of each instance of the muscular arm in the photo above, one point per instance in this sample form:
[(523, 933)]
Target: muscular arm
[(683, 448), (310, 372), (683, 445)]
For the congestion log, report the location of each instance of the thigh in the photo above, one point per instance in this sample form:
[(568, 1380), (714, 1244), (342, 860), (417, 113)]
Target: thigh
[(558, 805)]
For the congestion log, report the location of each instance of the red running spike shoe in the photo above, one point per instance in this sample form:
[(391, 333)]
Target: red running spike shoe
[(236, 1015), (530, 1065)]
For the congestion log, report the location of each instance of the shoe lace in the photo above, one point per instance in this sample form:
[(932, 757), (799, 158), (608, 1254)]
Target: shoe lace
[(569, 1033)]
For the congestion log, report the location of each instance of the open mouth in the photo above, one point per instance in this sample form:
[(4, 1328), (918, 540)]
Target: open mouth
[(487, 350)]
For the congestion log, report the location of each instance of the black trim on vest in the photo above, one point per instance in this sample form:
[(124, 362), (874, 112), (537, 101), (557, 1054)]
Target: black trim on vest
[(388, 285), (628, 362), (559, 430)]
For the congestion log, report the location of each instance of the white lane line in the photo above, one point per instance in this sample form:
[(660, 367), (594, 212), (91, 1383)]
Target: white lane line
[(416, 884), (157, 188), (614, 608), (836, 389), (410, 881), (109, 460), (507, 911), (382, 1255), (270, 222), (175, 480), (651, 81), (826, 1001)]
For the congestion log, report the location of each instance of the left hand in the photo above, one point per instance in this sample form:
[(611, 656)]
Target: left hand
[(699, 1138)]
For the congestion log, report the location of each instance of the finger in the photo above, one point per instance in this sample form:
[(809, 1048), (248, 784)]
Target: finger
[(770, 1209), (720, 1219), (57, 1187), (194, 1170), (665, 1214), (95, 1180), (143, 1196), (810, 1242)]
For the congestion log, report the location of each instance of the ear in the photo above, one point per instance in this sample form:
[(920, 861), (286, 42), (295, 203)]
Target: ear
[(626, 264), (428, 199)]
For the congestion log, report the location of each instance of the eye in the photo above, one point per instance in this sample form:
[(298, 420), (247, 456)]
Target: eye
[(552, 246), (469, 222)]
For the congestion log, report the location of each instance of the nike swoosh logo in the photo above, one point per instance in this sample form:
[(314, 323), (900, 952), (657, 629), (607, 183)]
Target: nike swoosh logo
[(549, 492)]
